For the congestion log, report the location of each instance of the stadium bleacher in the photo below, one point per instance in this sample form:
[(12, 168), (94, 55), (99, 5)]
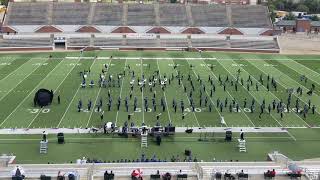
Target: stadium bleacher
[(30, 42), (107, 42), (251, 44), (141, 15), (250, 16), (174, 42), (173, 15), (82, 42), (27, 14), (209, 16), (70, 13), (209, 42), (107, 14), (141, 42)]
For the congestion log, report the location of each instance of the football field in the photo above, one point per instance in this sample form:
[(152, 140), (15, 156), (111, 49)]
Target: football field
[(21, 75)]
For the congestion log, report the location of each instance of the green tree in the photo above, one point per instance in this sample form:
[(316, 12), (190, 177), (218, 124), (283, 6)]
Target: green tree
[(302, 8), (4, 2), (289, 16), (315, 18)]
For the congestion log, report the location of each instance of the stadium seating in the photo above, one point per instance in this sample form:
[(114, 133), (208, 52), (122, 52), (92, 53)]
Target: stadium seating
[(104, 42), (41, 42), (141, 15), (27, 14), (209, 42), (107, 14), (70, 13), (141, 42), (258, 44), (250, 16), (173, 15), (173, 43), (83, 42), (209, 16)]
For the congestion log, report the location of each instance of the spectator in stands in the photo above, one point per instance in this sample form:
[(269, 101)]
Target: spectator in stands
[(166, 176), (60, 176), (18, 173), (273, 173)]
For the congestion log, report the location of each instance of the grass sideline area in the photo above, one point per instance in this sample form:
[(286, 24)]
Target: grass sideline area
[(108, 148), (21, 75)]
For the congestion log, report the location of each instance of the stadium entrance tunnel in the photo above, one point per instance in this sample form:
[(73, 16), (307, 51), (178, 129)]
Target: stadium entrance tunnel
[(60, 45), (59, 42), (43, 97)]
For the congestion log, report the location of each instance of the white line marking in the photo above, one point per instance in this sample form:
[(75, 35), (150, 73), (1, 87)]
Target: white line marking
[(54, 91), (142, 92), (249, 91), (29, 94), (187, 96), (16, 69), (228, 94), (176, 58), (215, 106), (18, 83), (125, 64), (283, 87), (64, 114), (164, 93), (95, 102)]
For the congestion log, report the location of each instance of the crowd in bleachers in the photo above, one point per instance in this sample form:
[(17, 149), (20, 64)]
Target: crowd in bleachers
[(144, 158)]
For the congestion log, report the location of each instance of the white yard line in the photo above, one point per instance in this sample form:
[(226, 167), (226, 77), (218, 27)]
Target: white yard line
[(64, 114), (30, 94), (142, 104), (210, 98), (283, 87), (194, 114), (164, 93), (54, 91), (258, 100), (125, 64), (19, 83), (95, 102), (249, 91), (167, 58), (291, 136), (228, 94), (16, 70)]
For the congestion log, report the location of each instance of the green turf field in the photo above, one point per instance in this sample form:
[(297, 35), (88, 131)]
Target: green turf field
[(109, 148), (21, 75)]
